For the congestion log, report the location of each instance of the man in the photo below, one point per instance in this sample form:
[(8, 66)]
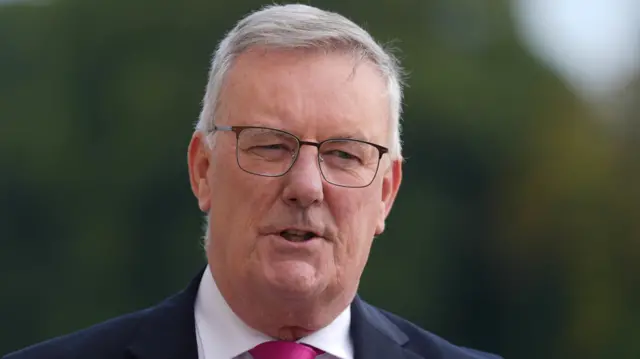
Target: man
[(296, 161)]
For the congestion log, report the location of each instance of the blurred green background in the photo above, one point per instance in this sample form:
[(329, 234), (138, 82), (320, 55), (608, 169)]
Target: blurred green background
[(516, 230)]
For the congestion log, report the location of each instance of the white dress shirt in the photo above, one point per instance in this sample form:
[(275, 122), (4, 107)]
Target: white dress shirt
[(220, 334)]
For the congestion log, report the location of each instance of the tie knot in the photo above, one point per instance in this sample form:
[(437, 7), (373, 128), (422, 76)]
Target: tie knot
[(284, 350)]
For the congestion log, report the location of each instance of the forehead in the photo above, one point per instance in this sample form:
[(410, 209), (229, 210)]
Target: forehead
[(313, 94)]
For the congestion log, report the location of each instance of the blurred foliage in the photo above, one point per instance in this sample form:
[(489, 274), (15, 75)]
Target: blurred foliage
[(515, 230)]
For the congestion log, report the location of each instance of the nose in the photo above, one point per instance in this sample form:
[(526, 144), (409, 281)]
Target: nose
[(303, 182)]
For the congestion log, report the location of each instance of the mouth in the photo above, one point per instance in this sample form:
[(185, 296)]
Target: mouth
[(297, 236)]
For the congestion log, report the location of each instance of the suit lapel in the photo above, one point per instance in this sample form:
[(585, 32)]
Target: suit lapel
[(167, 331), (374, 336)]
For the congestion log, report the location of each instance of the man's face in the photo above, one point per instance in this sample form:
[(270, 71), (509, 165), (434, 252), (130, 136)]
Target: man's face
[(315, 96)]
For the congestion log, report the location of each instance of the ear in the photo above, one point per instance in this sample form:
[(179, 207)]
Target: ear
[(199, 163), (390, 186)]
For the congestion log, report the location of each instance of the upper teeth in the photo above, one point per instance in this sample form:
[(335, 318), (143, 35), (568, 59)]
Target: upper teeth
[(297, 236), (296, 232)]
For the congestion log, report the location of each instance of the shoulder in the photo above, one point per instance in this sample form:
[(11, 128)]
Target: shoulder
[(422, 341), (104, 340), (143, 331)]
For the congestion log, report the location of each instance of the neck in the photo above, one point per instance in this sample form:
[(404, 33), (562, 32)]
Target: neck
[(283, 318)]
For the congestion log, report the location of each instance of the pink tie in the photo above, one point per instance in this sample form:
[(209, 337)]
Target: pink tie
[(284, 350)]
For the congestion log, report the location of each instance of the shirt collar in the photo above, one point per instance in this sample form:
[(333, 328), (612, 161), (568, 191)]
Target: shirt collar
[(223, 335), (334, 338)]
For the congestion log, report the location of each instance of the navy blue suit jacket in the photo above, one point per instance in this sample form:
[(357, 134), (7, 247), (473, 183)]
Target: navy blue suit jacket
[(166, 331)]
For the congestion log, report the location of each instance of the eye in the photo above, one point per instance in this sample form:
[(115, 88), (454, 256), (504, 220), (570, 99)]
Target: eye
[(271, 151), (343, 155), (342, 158), (275, 146)]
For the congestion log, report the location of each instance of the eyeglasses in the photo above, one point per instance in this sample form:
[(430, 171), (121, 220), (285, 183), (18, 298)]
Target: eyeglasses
[(271, 153)]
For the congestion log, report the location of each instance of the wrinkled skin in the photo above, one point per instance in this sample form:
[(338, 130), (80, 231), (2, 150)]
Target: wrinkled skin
[(284, 289)]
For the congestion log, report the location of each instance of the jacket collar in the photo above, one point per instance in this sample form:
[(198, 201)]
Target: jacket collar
[(375, 336), (167, 331)]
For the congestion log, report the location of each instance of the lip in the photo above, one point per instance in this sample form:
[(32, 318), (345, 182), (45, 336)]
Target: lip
[(276, 230), (299, 229), (282, 243)]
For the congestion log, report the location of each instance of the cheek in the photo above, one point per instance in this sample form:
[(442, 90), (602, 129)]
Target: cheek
[(356, 215), (239, 202)]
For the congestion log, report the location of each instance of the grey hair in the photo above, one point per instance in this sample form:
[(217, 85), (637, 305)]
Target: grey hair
[(297, 26)]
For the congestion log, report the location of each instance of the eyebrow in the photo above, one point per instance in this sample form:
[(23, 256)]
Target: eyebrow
[(354, 135)]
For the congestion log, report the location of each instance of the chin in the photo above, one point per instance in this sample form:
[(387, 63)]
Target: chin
[(294, 279)]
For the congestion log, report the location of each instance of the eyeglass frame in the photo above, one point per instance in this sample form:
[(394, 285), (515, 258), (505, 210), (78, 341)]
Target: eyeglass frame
[(238, 130)]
